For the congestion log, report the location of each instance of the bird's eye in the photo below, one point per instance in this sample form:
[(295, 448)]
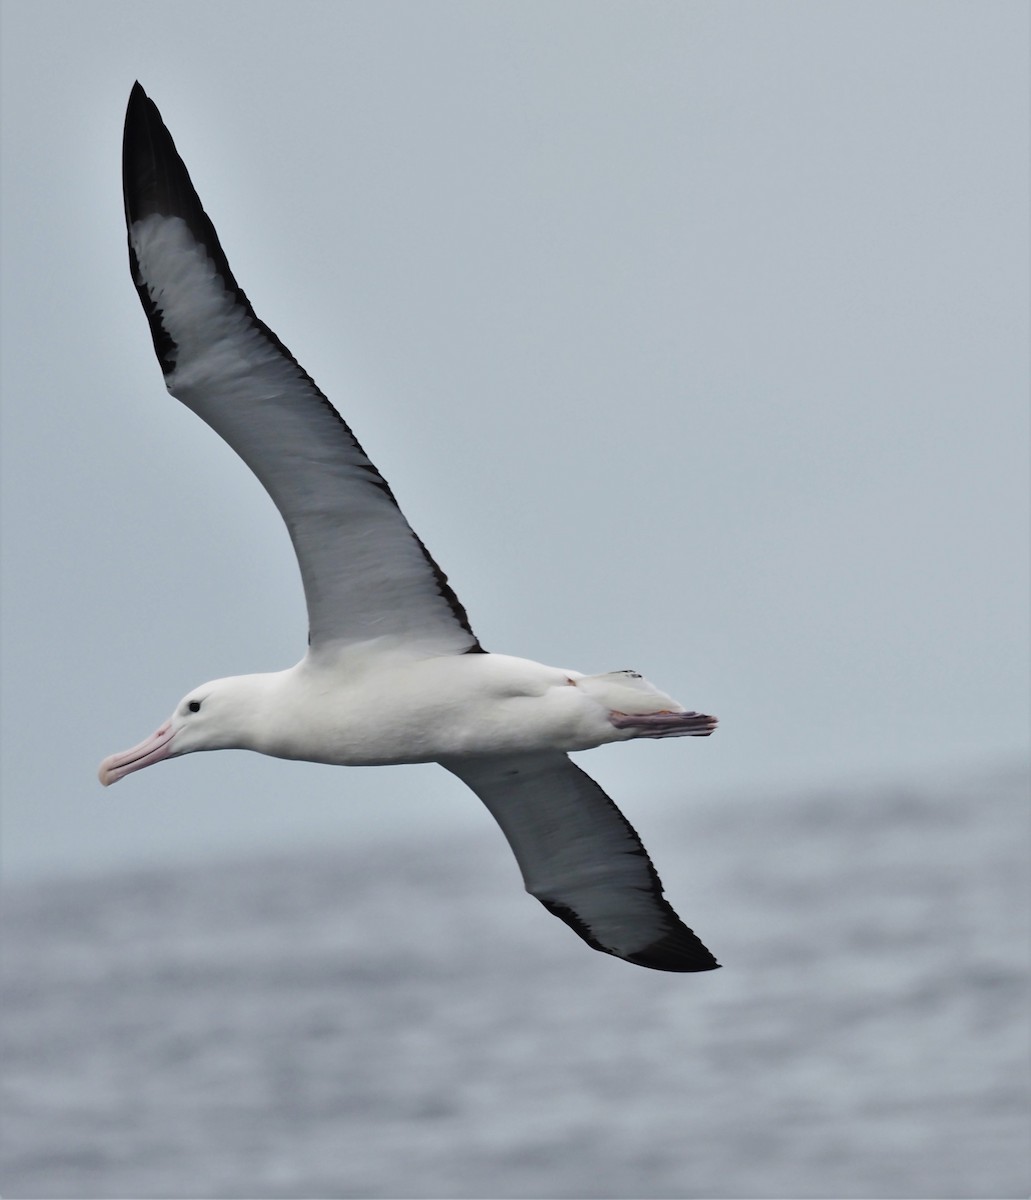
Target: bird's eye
[(194, 706)]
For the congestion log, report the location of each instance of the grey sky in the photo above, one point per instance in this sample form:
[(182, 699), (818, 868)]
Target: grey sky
[(691, 337)]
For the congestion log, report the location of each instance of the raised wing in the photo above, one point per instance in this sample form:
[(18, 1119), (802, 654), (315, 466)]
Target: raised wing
[(366, 574), (582, 859)]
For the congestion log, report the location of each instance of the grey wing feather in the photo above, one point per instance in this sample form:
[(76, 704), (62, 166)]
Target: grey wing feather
[(366, 574), (582, 859)]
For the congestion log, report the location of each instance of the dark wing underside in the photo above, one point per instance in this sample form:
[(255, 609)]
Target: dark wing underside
[(582, 859), (366, 574)]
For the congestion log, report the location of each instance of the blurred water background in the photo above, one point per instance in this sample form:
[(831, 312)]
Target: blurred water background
[(400, 1020)]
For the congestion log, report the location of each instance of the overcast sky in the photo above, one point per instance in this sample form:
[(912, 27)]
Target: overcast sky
[(692, 337)]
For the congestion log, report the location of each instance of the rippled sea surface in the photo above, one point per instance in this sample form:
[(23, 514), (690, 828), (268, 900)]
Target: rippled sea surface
[(405, 1022)]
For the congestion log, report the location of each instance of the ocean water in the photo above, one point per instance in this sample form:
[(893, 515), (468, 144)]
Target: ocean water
[(403, 1021)]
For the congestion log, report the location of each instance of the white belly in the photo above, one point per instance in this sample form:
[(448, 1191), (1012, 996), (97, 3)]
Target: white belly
[(368, 713)]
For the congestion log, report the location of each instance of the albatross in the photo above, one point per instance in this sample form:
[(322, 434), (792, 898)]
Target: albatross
[(393, 671)]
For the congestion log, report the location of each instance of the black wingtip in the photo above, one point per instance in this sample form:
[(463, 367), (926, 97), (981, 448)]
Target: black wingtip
[(139, 154), (155, 181), (155, 178), (680, 950)]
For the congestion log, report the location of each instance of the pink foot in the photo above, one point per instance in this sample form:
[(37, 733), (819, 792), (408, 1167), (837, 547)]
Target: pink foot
[(665, 724)]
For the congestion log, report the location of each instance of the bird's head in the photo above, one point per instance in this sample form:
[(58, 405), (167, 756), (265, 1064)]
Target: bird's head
[(213, 716)]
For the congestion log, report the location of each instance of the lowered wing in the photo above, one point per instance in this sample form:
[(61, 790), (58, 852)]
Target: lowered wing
[(582, 859)]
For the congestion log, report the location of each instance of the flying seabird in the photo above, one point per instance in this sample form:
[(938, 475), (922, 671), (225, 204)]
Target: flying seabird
[(393, 672)]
